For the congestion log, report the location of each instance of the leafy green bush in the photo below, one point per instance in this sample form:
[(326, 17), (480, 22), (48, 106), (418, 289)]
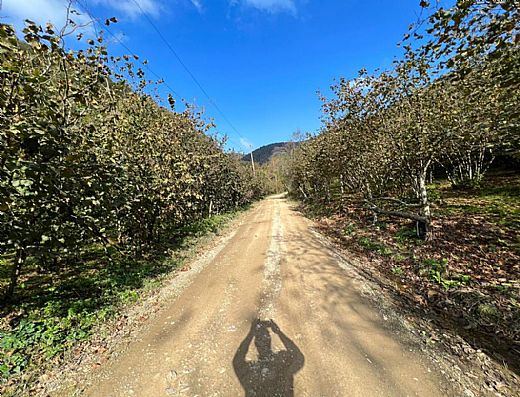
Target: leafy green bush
[(89, 157), (44, 334), (438, 270)]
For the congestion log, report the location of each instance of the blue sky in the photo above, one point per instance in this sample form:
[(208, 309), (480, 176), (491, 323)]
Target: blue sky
[(261, 61)]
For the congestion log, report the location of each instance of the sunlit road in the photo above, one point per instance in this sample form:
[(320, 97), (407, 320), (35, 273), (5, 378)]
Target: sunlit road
[(274, 313)]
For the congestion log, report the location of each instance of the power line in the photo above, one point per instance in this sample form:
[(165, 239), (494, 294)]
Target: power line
[(132, 53), (185, 67)]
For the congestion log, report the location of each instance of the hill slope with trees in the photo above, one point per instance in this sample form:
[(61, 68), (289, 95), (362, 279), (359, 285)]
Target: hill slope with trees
[(263, 154)]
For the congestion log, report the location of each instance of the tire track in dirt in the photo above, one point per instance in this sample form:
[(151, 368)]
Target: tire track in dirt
[(272, 282)]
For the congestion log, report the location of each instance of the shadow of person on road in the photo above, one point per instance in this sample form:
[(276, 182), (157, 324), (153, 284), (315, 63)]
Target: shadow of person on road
[(272, 374)]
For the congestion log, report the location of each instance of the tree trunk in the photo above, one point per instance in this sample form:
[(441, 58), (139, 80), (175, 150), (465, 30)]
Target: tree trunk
[(374, 212), (398, 214), (424, 226), (15, 273), (303, 192)]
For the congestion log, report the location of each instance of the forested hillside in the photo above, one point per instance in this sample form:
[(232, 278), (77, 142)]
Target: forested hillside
[(401, 165), (263, 154), (96, 179)]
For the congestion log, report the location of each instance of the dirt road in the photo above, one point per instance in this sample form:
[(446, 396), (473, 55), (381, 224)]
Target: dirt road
[(274, 313)]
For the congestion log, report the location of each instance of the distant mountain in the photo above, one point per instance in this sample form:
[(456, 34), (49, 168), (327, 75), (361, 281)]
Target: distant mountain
[(263, 154)]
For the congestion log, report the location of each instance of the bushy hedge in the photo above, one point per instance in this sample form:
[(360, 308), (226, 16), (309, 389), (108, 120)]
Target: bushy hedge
[(88, 156)]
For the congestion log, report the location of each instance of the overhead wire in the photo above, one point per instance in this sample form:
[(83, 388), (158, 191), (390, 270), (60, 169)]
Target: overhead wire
[(156, 75), (187, 69)]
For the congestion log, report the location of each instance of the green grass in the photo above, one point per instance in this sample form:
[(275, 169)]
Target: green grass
[(375, 246), (498, 201), (503, 190), (406, 233), (54, 311), (438, 272), (350, 229), (397, 270)]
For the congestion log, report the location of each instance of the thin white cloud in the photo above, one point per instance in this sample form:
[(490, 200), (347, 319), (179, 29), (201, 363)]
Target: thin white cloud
[(271, 6), (54, 11), (132, 8), (117, 37), (197, 4), (39, 11)]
